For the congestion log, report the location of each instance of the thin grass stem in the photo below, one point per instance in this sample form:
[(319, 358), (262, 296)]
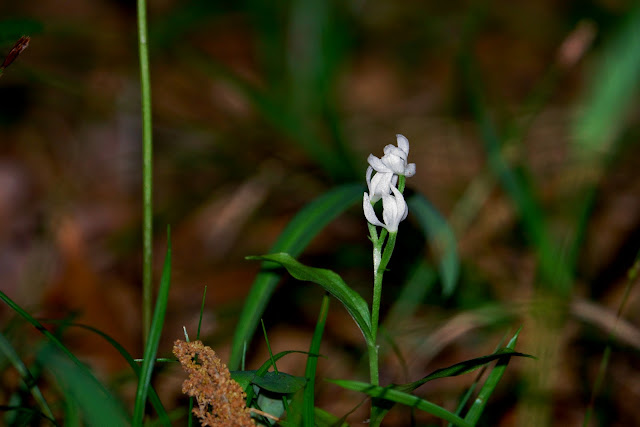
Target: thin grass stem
[(147, 164)]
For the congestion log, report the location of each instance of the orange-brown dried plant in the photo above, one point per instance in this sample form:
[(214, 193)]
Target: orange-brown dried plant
[(221, 400)]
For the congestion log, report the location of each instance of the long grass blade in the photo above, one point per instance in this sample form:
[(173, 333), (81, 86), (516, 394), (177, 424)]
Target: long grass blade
[(308, 403), (52, 338), (97, 405), (490, 384), (388, 393), (27, 378), (151, 348), (163, 417)]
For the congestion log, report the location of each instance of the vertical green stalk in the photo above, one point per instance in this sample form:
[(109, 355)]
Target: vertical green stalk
[(147, 163)]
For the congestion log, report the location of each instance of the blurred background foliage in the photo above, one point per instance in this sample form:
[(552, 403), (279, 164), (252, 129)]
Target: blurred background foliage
[(523, 122)]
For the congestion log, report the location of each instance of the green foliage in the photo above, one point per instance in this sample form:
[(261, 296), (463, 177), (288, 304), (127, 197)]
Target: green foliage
[(151, 348), (332, 283), (96, 405), (294, 238)]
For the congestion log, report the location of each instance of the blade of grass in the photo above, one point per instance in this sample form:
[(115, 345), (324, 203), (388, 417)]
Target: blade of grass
[(27, 378), (147, 171), (190, 413), (308, 403), (97, 405), (490, 384), (163, 417), (151, 348), (388, 393), (52, 338), (632, 276), (293, 239), (467, 395), (604, 112)]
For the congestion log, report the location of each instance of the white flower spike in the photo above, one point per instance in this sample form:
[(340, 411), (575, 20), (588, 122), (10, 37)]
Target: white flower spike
[(394, 159), (394, 210)]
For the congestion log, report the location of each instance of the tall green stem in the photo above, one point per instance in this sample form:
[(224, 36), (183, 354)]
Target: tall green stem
[(147, 164)]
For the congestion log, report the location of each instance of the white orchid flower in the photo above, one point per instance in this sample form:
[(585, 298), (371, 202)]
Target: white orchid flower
[(380, 184), (394, 159), (394, 210)]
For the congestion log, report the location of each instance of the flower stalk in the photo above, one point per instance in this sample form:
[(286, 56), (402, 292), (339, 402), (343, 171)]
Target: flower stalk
[(390, 170)]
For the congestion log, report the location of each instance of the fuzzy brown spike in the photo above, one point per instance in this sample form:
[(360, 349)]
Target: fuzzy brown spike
[(221, 400)]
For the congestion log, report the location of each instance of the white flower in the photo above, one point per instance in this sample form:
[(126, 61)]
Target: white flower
[(394, 159), (394, 210), (380, 184)]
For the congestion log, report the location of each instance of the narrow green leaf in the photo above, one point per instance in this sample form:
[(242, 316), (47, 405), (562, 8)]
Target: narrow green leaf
[(388, 393), (97, 405), (151, 348), (441, 239), (27, 378), (615, 85), (164, 418), (308, 404), (490, 384), (462, 368), (332, 283), (52, 338), (325, 419), (295, 237)]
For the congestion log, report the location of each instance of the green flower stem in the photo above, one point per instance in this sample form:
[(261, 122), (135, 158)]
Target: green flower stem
[(378, 272), (147, 181)]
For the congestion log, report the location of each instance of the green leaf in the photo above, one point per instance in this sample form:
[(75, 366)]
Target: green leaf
[(462, 368), (264, 369), (325, 419), (490, 384), (153, 396), (27, 378), (614, 86), (97, 405), (243, 377), (451, 371), (308, 413), (153, 340), (441, 239), (279, 382), (388, 393), (295, 237), (332, 283)]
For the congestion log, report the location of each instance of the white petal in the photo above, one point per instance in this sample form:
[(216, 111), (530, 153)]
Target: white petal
[(380, 185), (410, 170), (377, 164), (390, 213), (369, 213), (403, 143), (392, 150), (395, 163), (403, 209)]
